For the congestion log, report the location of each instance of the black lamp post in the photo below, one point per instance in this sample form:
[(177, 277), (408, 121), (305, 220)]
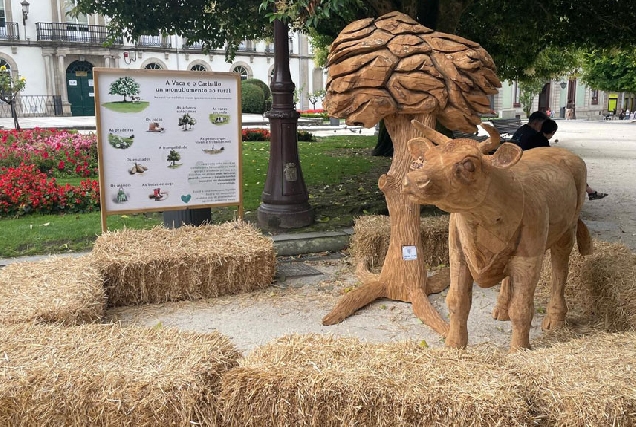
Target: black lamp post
[(285, 202)]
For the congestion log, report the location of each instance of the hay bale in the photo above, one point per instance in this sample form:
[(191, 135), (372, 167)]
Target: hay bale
[(601, 287), (187, 263), (106, 375), (585, 382), (56, 290), (371, 237), (323, 381)]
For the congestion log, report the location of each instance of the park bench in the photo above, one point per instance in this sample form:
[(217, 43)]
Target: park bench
[(457, 134), (506, 127)]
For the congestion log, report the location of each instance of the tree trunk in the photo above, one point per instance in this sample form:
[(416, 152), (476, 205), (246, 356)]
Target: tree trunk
[(384, 147), (14, 114), (403, 276)]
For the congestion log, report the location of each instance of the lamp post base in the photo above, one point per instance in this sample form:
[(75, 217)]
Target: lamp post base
[(285, 216)]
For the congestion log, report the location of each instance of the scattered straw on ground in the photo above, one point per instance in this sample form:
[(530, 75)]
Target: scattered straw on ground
[(601, 288), (315, 380), (57, 290), (159, 265), (370, 241), (106, 375), (585, 382)]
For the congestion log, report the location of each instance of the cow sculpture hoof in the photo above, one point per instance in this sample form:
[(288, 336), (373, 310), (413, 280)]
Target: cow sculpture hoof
[(500, 313), (550, 324)]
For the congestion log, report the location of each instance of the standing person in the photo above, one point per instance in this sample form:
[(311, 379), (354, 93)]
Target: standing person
[(542, 139), (569, 110), (533, 127)]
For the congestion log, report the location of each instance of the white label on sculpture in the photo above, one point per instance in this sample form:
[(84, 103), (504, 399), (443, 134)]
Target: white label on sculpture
[(409, 253)]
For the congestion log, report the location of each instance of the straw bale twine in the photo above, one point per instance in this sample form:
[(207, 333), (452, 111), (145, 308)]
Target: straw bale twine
[(585, 382), (372, 234), (187, 263), (601, 287), (56, 290), (315, 380), (106, 375)]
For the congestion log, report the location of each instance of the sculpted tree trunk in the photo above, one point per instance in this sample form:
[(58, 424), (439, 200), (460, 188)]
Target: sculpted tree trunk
[(399, 70)]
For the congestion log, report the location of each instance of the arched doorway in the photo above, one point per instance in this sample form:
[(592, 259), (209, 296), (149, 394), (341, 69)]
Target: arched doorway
[(80, 88), (544, 98)]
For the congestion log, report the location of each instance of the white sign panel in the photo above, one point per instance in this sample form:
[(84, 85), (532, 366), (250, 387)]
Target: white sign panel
[(409, 253), (168, 139)]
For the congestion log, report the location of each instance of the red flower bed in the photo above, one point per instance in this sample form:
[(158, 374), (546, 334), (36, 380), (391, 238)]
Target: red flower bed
[(25, 190), (255, 135), (56, 152)]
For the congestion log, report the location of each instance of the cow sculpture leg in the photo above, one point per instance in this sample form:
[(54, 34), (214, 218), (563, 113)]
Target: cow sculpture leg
[(500, 312), (560, 256), (524, 276), (458, 300)]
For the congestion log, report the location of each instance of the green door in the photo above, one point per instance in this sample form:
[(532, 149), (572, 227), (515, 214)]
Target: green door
[(80, 88)]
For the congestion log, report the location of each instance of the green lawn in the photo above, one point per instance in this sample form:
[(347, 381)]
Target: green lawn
[(340, 174), (126, 107)]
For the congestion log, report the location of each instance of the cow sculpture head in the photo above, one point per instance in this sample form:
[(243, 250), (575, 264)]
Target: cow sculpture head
[(455, 174)]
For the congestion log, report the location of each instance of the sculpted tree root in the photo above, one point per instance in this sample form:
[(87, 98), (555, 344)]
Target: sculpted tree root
[(400, 279)]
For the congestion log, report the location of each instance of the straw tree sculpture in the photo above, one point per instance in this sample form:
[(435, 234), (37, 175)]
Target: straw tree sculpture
[(394, 68)]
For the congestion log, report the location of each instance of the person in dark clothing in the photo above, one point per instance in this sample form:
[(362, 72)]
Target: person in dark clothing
[(533, 127), (542, 139)]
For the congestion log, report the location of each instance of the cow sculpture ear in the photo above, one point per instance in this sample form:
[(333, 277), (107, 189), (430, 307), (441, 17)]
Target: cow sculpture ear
[(506, 155), (418, 146)]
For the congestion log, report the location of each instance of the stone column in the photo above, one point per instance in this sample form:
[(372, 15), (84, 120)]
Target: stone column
[(107, 61)]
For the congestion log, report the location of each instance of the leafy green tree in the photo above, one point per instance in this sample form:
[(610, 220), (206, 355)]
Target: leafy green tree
[(187, 120), (124, 86), (10, 87), (173, 156), (610, 70), (316, 96)]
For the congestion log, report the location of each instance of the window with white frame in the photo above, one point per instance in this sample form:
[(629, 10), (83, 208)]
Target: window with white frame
[(153, 66)]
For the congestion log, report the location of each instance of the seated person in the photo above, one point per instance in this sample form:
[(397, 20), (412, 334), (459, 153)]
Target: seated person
[(533, 127), (542, 139)]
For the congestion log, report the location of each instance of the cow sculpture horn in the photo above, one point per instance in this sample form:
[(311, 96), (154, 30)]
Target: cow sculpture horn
[(436, 137), (492, 142)]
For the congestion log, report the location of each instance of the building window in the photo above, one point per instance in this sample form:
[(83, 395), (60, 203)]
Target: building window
[(242, 71), (3, 17), (594, 96), (80, 19), (153, 66), (198, 67), (6, 65)]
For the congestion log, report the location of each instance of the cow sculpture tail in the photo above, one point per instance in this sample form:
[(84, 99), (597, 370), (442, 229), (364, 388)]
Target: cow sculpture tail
[(583, 239)]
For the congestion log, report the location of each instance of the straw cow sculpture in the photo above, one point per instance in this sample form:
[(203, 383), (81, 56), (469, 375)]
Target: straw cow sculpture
[(506, 211)]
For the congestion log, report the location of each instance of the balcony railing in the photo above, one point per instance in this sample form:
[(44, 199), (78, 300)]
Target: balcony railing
[(10, 31), (154, 41), (193, 46), (74, 33), (34, 106)]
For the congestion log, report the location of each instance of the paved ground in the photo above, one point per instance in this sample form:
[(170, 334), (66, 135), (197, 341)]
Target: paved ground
[(297, 304)]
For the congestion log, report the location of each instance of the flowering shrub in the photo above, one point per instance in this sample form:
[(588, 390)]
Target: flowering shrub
[(24, 189), (56, 152), (255, 135)]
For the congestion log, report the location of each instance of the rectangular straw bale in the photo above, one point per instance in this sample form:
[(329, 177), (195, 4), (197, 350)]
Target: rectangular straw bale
[(372, 234), (601, 286), (585, 382), (316, 380), (55, 290), (187, 263), (106, 375)]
